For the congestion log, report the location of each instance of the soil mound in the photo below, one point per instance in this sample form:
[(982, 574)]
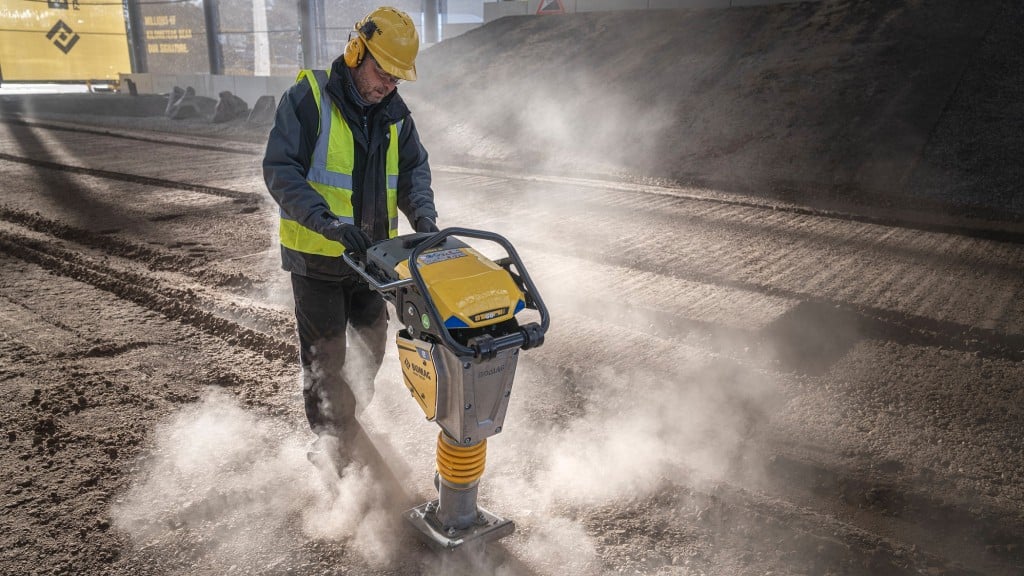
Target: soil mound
[(901, 103)]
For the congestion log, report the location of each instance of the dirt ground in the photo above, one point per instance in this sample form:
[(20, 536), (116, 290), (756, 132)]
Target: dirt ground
[(782, 247)]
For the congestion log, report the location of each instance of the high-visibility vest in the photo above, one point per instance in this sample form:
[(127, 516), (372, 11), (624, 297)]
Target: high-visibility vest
[(330, 173)]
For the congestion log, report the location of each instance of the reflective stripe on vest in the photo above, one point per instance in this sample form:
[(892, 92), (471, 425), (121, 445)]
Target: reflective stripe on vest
[(330, 173)]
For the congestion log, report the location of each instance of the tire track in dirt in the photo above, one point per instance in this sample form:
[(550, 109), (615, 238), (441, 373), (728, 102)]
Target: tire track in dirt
[(764, 528), (145, 291), (870, 321), (242, 197), (981, 536), (163, 140), (154, 259)]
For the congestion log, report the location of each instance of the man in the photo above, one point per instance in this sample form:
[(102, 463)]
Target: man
[(342, 159)]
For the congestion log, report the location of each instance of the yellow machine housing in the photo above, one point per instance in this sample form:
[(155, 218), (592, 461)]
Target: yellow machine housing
[(420, 373), (466, 398), (468, 289)]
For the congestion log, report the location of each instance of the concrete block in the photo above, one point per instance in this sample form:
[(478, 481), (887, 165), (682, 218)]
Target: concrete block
[(176, 94), (495, 10), (229, 107), (189, 104), (262, 112), (248, 88)]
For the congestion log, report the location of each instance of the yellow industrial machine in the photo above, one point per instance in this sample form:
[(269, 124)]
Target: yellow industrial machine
[(458, 348), (62, 40)]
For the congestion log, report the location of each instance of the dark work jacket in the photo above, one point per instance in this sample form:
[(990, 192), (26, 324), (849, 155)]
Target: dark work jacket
[(290, 151)]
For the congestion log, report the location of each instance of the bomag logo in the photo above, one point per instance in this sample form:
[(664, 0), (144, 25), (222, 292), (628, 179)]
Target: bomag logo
[(490, 371), (418, 370), (489, 315)]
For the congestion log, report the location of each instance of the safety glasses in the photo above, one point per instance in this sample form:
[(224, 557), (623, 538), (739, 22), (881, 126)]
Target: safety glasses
[(384, 76)]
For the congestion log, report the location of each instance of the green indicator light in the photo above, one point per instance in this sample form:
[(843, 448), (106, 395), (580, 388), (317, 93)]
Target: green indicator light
[(425, 320)]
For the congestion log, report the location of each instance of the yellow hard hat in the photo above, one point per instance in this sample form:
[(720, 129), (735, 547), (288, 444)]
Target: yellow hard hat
[(391, 37)]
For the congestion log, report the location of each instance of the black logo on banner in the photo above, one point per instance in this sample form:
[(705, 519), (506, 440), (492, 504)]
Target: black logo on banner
[(63, 36)]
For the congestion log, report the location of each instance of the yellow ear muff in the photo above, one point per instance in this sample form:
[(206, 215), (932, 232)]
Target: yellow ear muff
[(354, 52)]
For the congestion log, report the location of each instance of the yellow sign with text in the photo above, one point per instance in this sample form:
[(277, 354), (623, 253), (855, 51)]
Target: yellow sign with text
[(60, 40)]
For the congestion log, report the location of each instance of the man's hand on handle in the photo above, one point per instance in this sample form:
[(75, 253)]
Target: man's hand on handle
[(425, 224), (351, 236)]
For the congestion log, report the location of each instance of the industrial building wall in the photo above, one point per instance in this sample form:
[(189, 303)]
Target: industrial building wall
[(257, 37)]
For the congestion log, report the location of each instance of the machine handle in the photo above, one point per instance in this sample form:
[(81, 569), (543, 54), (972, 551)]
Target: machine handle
[(361, 269), (531, 335)]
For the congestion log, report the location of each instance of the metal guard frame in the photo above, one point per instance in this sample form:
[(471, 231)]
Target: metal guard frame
[(529, 335), (517, 340)]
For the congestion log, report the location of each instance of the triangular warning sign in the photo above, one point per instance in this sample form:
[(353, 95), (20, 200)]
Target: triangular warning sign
[(550, 7)]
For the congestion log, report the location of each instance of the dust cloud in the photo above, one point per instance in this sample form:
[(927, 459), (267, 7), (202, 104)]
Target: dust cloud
[(638, 433), (644, 430), (568, 124), (225, 488)]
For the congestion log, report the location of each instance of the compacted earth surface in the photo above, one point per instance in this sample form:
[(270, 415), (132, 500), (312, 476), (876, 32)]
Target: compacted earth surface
[(781, 246)]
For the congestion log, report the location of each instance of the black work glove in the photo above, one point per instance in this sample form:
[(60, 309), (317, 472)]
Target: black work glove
[(351, 236), (425, 224)]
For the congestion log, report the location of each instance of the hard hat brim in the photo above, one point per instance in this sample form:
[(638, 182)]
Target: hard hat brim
[(387, 64)]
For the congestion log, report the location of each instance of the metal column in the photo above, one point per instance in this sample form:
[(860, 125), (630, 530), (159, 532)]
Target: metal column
[(136, 37), (260, 39), (211, 14), (313, 33), (430, 11)]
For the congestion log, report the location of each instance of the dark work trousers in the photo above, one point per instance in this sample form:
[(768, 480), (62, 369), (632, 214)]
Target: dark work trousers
[(335, 390)]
